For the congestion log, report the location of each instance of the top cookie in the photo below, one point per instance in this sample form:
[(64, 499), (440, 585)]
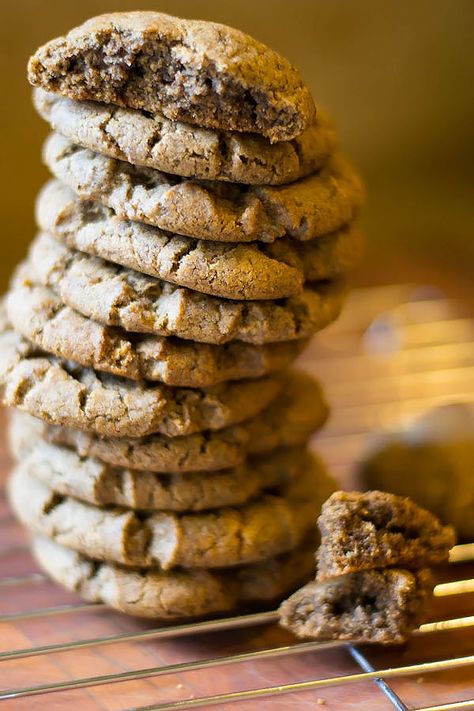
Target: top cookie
[(179, 148), (198, 72)]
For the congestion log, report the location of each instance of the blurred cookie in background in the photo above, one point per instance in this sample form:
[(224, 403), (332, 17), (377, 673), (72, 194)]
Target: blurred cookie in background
[(431, 461)]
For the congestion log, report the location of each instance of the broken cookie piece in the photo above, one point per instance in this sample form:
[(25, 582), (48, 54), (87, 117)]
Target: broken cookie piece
[(382, 606), (363, 590), (202, 73), (378, 530)]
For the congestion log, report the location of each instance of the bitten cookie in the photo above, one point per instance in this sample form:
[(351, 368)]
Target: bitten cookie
[(174, 594), (226, 212), (116, 296), (180, 148), (198, 72), (378, 530), (382, 606), (233, 271), (267, 526), (290, 419)]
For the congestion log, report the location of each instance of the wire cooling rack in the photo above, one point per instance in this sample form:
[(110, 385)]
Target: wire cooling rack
[(397, 352)]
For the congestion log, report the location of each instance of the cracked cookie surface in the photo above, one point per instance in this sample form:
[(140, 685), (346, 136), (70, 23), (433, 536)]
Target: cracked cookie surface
[(63, 393), (233, 271), (116, 296), (297, 412), (176, 593), (183, 149), (269, 525), (40, 316), (198, 72), (94, 482), (226, 212)]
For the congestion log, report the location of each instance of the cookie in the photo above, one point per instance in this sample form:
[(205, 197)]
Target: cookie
[(179, 148), (41, 317), (116, 296), (89, 480), (226, 212), (64, 393), (94, 482), (443, 484), (265, 527), (177, 593), (233, 271), (371, 606), (298, 411), (198, 72), (439, 447), (378, 530), (332, 256)]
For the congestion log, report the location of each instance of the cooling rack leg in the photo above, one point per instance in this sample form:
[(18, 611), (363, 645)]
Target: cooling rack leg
[(366, 666)]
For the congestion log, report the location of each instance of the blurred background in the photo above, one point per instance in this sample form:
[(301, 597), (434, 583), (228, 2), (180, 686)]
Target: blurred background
[(396, 75)]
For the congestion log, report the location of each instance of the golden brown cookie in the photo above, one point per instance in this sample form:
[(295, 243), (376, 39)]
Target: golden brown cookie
[(94, 482), (290, 419), (267, 526), (40, 316), (175, 594), (64, 393), (180, 148), (198, 72), (226, 212), (116, 296), (233, 271)]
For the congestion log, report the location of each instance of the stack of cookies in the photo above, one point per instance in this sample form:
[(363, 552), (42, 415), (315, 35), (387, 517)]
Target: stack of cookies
[(196, 233)]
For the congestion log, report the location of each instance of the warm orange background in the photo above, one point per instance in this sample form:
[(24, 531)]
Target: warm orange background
[(397, 76)]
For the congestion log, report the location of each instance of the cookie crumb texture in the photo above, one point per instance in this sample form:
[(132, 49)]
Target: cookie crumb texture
[(364, 588), (370, 606), (378, 530), (198, 72)]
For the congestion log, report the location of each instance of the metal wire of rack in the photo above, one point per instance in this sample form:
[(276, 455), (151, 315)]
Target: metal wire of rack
[(23, 586)]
